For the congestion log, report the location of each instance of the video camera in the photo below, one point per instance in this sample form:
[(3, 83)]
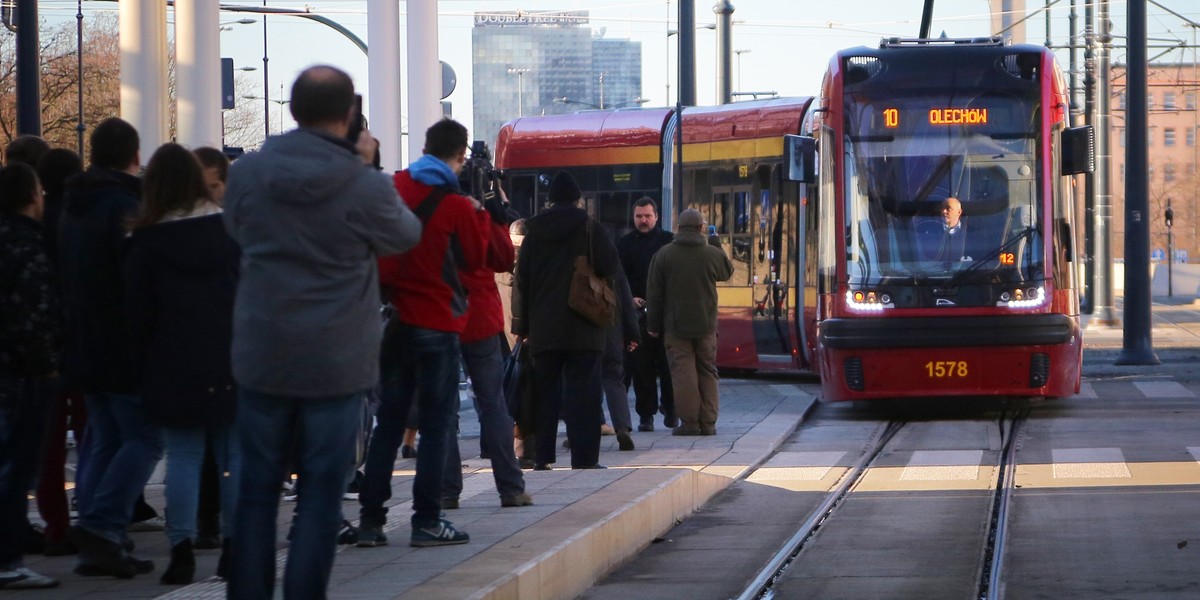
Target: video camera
[(481, 180)]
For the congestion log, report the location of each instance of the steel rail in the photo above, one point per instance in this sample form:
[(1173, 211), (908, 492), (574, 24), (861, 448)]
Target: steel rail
[(990, 587), (760, 586)]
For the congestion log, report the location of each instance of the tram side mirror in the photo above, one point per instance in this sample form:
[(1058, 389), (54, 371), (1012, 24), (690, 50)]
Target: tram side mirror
[(800, 156), (1078, 150)]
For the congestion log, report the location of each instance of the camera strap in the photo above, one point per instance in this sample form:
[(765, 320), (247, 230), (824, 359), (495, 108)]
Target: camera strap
[(429, 205)]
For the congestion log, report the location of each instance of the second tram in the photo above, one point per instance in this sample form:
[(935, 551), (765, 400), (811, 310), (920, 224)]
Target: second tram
[(833, 212)]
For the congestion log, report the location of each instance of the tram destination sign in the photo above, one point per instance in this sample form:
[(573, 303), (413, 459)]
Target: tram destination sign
[(941, 116)]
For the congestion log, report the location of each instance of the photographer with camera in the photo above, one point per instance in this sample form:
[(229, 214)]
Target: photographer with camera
[(483, 340)]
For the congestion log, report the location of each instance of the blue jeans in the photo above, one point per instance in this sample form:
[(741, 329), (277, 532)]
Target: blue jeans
[(568, 381), (486, 368), (185, 457), (322, 431), (123, 449), (425, 370), (25, 405)]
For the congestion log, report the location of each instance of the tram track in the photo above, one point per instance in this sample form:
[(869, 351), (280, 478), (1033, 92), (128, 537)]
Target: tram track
[(990, 584)]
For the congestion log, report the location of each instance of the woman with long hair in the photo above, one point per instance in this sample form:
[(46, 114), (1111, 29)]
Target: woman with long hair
[(181, 274)]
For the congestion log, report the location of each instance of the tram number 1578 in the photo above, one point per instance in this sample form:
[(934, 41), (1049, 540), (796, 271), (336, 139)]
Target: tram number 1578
[(945, 369)]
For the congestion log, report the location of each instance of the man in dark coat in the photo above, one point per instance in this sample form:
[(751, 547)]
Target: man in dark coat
[(123, 446), (30, 329), (566, 346), (646, 366), (682, 300)]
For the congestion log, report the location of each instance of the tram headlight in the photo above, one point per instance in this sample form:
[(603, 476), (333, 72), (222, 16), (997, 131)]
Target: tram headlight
[(1032, 297), (868, 300)]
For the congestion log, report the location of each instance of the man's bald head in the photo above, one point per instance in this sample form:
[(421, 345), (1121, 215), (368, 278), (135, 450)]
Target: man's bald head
[(951, 211), (322, 95)]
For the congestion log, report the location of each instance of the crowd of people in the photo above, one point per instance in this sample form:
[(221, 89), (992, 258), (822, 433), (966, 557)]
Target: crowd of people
[(227, 317)]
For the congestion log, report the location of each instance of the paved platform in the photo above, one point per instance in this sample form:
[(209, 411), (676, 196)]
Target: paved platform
[(583, 523)]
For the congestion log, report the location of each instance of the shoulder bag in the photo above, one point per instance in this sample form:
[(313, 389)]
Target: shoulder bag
[(591, 296)]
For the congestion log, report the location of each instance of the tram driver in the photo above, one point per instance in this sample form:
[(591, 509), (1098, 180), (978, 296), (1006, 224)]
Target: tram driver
[(947, 244)]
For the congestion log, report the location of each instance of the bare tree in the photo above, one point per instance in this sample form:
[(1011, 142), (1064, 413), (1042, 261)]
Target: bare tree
[(101, 89)]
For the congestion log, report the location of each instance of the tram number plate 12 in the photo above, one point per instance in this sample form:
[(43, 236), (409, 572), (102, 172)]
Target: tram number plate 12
[(946, 369)]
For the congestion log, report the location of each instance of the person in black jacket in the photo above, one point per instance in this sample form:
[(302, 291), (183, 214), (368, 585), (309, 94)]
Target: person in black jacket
[(122, 445), (29, 346), (566, 346), (646, 366), (180, 279)]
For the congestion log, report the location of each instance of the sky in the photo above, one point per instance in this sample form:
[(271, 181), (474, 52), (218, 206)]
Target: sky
[(787, 43)]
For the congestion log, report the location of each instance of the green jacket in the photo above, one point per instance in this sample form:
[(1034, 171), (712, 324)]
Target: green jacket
[(681, 290)]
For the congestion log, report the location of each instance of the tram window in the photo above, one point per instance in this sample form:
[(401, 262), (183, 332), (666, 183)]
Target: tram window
[(613, 209), (741, 212), (719, 211), (521, 194)]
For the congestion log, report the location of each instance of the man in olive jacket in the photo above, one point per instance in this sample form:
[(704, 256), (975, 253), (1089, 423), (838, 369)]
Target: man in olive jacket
[(681, 302)]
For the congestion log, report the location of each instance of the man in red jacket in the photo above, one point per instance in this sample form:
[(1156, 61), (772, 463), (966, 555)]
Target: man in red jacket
[(481, 350), (422, 359)]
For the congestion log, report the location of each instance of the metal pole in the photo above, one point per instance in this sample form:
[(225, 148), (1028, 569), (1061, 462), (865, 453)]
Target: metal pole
[(687, 52), (1088, 298), (926, 19), (1137, 347), (29, 82), (266, 82), (79, 127), (1104, 311), (1170, 217), (724, 11), (424, 73), (383, 28)]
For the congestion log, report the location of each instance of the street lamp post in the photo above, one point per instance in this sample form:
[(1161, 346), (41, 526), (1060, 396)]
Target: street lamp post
[(739, 54), (267, 102), (1169, 218), (520, 73)]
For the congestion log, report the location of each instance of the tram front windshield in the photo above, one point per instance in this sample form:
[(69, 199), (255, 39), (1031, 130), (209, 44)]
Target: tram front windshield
[(911, 162)]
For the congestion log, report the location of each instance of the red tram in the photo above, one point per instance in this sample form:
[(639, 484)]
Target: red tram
[(832, 212)]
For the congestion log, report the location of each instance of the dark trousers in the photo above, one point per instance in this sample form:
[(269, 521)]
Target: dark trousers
[(569, 380), (646, 367), (25, 405), (612, 376), (51, 490)]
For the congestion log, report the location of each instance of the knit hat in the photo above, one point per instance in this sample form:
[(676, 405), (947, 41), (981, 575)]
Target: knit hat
[(691, 219), (564, 188)]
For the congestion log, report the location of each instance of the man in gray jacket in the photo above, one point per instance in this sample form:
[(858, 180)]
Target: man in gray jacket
[(311, 216), (681, 300)]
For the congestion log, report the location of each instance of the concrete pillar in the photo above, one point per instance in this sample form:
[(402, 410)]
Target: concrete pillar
[(143, 31), (198, 74), (383, 71), (424, 73)]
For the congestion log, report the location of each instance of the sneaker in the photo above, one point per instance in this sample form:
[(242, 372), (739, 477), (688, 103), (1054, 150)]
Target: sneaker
[(526, 463), (21, 578), (606, 429), (624, 441), (441, 534), (100, 556), (347, 534), (670, 421), (154, 523), (647, 424), (371, 537), (521, 499)]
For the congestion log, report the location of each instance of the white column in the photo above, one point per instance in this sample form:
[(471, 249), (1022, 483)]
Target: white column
[(424, 73), (144, 101), (383, 72), (198, 73)]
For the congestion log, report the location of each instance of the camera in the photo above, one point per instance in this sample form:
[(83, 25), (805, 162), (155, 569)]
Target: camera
[(479, 178), (357, 124)]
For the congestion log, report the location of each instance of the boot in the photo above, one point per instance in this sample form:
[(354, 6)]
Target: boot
[(226, 559), (182, 569)]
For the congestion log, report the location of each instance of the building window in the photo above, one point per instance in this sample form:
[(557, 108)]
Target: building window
[(1123, 100), (1169, 136), (1168, 173), (1190, 98), (1122, 172), (1191, 169), (1191, 136), (1122, 136), (1149, 100), (1169, 100)]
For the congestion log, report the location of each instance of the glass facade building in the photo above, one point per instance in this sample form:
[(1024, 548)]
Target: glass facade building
[(529, 63)]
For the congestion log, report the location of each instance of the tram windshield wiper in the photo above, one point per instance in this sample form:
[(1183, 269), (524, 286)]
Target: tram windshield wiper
[(1027, 232)]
